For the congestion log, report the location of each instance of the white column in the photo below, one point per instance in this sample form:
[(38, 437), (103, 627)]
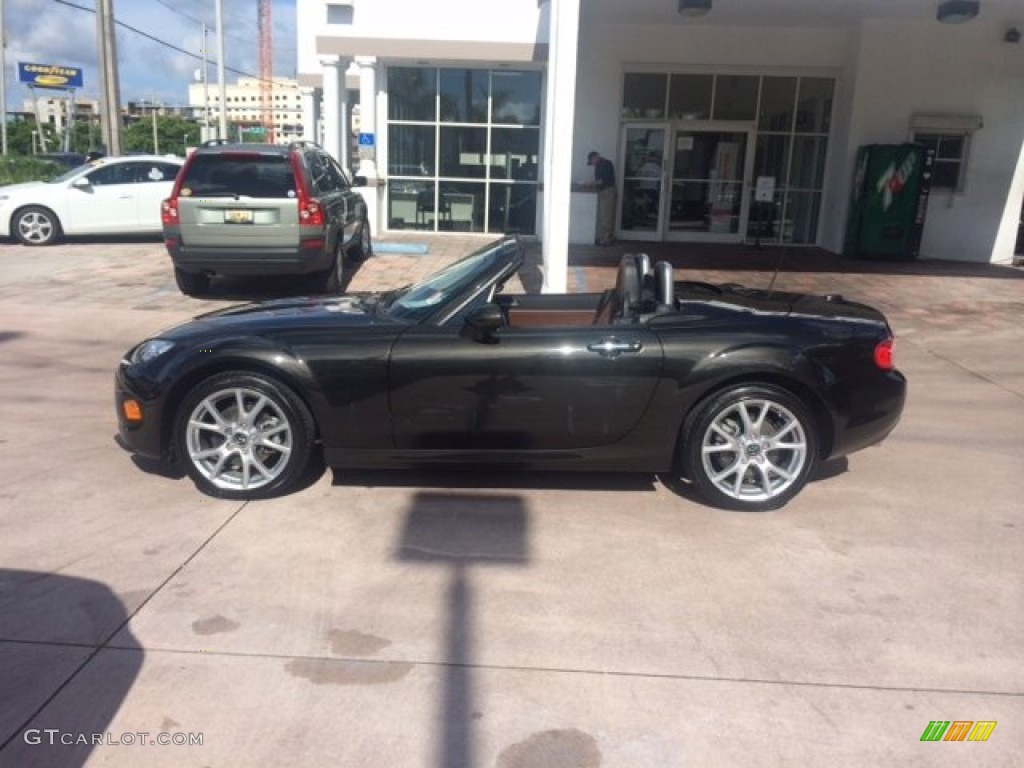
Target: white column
[(558, 131), (308, 100), (368, 114), (335, 106)]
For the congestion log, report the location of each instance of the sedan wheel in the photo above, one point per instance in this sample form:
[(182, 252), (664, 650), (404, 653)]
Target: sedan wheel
[(750, 447), (36, 226), (243, 436)]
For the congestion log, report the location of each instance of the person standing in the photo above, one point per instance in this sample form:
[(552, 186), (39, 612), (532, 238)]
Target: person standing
[(604, 182)]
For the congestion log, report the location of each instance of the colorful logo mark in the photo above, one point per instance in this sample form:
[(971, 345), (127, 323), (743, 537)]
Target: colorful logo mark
[(958, 730)]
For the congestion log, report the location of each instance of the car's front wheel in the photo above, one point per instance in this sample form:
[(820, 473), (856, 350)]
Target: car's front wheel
[(243, 436), (36, 225), (191, 283), (749, 447)]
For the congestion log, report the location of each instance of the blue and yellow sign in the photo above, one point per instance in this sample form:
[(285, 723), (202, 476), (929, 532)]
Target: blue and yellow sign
[(49, 75)]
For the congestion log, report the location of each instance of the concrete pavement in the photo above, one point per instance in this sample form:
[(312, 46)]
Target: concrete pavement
[(447, 620)]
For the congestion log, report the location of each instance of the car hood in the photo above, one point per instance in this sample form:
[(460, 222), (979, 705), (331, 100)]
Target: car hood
[(25, 186), (349, 310)]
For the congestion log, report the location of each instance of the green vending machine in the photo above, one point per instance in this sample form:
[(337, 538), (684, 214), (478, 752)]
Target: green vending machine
[(891, 183)]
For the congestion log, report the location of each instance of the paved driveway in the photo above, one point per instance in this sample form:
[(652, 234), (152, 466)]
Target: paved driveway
[(443, 620)]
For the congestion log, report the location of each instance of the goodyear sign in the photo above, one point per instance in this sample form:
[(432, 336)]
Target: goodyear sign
[(49, 76)]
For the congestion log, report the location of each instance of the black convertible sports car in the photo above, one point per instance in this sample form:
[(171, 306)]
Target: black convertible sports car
[(739, 391)]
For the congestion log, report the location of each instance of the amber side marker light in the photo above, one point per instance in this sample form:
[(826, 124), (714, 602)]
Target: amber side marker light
[(132, 410), (883, 355)]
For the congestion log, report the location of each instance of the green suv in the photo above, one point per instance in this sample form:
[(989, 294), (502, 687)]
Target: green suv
[(263, 209)]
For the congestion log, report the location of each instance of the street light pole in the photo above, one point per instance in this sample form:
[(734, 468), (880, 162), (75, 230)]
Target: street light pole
[(156, 141), (110, 100), (3, 80), (223, 124)]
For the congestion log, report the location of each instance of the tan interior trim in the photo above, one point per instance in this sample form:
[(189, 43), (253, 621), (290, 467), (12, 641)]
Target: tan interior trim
[(549, 318)]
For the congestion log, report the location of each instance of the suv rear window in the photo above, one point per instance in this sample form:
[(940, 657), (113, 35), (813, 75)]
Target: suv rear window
[(241, 175)]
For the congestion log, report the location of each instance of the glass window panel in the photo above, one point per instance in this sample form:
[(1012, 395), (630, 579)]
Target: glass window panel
[(801, 225), (772, 157), (514, 153), (808, 171), (736, 97), (690, 97), (463, 152), (411, 93), (411, 150), (764, 221), (464, 95), (513, 209), (814, 105), (950, 148), (515, 97), (689, 206), (641, 199), (461, 206), (643, 95), (946, 175), (778, 95), (410, 205), (644, 150)]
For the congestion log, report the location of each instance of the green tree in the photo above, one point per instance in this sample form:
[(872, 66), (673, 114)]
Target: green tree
[(21, 136), (171, 132)]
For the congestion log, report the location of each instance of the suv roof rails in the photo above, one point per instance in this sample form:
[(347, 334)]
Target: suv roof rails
[(214, 142)]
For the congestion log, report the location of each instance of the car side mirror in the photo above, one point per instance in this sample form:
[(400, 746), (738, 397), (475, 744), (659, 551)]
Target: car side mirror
[(82, 182), (483, 322), (358, 181)]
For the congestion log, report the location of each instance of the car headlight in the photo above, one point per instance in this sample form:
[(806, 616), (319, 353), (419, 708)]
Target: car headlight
[(148, 350)]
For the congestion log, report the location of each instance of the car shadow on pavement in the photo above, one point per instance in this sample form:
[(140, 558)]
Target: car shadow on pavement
[(61, 684), (240, 289)]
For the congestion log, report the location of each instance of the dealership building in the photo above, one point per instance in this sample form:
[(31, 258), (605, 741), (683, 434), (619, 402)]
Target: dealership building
[(726, 120)]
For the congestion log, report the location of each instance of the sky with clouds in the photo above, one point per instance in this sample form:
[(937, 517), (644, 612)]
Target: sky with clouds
[(63, 32)]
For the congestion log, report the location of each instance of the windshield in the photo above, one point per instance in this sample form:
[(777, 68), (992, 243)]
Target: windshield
[(474, 271)]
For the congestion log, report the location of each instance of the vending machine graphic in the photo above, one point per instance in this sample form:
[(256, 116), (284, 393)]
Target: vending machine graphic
[(890, 198)]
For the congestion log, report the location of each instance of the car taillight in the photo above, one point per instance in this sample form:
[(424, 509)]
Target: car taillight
[(883, 355), (311, 213), (169, 211)]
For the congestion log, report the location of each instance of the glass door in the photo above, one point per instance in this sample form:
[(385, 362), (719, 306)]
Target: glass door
[(706, 191), (642, 160)]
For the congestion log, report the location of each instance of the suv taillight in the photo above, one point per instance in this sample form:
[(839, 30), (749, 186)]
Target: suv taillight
[(311, 213), (169, 211), (883, 355)]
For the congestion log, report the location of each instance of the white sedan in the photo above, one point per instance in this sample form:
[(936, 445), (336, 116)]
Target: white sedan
[(112, 195)]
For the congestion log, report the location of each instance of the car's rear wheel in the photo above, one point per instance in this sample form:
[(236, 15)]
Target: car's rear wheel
[(362, 248), (243, 436), (749, 447), (192, 283), (36, 225), (332, 280)]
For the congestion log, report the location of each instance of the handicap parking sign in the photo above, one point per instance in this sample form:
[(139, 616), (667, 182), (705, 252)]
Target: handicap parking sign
[(367, 140)]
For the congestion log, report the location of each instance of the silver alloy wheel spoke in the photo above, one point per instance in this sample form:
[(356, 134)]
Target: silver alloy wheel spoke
[(239, 439), (754, 450)]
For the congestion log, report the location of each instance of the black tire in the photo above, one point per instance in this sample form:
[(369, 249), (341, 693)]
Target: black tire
[(332, 280), (749, 447), (36, 225), (362, 247), (232, 453), (192, 283)]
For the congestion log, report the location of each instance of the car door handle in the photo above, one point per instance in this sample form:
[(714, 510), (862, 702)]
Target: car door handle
[(614, 347)]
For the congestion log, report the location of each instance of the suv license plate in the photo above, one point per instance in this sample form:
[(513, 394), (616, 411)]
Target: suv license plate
[(238, 216)]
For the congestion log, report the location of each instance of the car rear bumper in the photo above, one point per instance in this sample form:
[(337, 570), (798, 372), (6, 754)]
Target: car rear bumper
[(310, 256), (873, 409)]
